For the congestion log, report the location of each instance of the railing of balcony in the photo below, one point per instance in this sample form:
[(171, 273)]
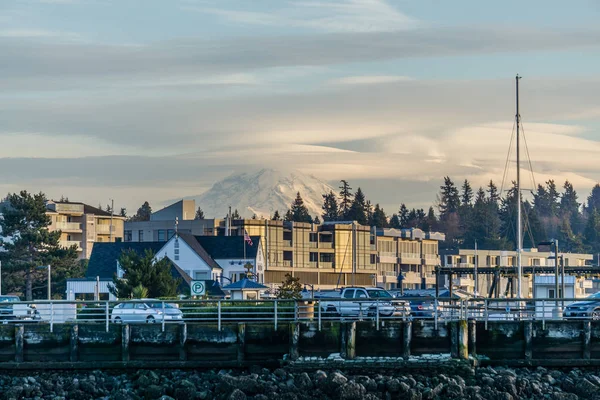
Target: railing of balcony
[(68, 226), (69, 243), (313, 245), (105, 229), (410, 255), (326, 245), (287, 243)]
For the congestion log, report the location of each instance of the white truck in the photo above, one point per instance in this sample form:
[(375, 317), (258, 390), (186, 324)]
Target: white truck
[(357, 302)]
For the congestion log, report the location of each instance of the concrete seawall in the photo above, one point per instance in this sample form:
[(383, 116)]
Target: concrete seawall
[(35, 346)]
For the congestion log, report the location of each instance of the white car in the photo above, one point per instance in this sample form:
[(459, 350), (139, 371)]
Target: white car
[(145, 311)]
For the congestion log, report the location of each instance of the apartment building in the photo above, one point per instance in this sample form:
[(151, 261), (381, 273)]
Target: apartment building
[(409, 253), (328, 255), (83, 225), (467, 258)]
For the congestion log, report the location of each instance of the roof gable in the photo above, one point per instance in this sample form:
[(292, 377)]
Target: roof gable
[(104, 257), (193, 243), (245, 284)]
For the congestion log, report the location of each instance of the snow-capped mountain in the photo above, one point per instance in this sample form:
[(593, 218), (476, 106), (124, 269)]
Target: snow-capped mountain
[(262, 193)]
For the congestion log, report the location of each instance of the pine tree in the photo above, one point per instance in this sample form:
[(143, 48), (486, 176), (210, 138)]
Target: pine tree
[(395, 222), (27, 243), (346, 199), (357, 210), (379, 219), (123, 212), (290, 288), (236, 215), (592, 231), (369, 212), (316, 220), (143, 213), (466, 196), (108, 208), (449, 198), (569, 206), (299, 212), (199, 214), (403, 216), (430, 221), (593, 200), (330, 207), (276, 216)]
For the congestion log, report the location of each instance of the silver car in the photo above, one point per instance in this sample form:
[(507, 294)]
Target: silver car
[(146, 311)]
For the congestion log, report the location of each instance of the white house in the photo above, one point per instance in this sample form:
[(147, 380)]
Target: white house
[(187, 253)]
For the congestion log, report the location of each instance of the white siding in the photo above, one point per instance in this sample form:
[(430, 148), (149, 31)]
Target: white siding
[(187, 259)]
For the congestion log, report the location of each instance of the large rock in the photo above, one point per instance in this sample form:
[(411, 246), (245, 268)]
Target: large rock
[(237, 394), (303, 382), (185, 390), (351, 391)]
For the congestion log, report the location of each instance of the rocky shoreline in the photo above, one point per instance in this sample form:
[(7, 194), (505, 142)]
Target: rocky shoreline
[(263, 384)]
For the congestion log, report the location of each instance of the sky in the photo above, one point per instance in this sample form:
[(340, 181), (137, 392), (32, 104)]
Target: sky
[(155, 100)]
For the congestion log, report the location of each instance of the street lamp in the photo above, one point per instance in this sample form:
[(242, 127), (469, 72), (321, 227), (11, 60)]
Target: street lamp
[(312, 287), (49, 278), (556, 258)]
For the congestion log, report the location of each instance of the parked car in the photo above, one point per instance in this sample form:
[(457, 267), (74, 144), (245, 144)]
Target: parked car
[(588, 308), (361, 301), (22, 312), (145, 311)]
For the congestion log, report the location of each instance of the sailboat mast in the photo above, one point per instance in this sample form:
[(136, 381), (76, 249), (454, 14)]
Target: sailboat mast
[(519, 228)]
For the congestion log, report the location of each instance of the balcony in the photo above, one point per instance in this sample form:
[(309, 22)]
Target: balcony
[(313, 264), (102, 229), (287, 243), (313, 245), (325, 264), (326, 245), (286, 263), (431, 259), (410, 258), (69, 243), (68, 226)]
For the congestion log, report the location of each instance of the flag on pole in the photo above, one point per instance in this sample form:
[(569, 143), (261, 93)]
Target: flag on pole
[(247, 238)]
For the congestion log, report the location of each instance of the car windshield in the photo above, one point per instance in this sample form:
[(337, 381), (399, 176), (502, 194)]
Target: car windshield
[(8, 299), (382, 294), (594, 296), (160, 305)]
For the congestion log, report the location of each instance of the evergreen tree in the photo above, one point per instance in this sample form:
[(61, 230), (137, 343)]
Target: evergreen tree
[(123, 212), (449, 198), (27, 243), (276, 216), (346, 199), (466, 196), (316, 220), (493, 196), (199, 214), (553, 197), (395, 222), (357, 211), (290, 288), (330, 207), (143, 213), (430, 221), (289, 215), (236, 215), (592, 231), (593, 200), (254, 216), (403, 216), (379, 218), (570, 242), (145, 270), (369, 212), (108, 209), (299, 212), (569, 206)]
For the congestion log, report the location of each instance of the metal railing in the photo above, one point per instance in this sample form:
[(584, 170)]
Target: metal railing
[(68, 226), (319, 309)]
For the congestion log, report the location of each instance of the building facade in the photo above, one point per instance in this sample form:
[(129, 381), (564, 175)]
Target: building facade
[(467, 258), (83, 225), (328, 255)]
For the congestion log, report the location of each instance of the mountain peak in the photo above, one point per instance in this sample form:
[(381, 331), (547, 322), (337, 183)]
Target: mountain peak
[(262, 193)]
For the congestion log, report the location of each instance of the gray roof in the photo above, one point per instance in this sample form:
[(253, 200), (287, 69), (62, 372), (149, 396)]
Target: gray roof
[(103, 261), (197, 247), (228, 247), (245, 284)]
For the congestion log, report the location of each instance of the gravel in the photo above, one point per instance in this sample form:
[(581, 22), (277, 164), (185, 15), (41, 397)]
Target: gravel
[(262, 384)]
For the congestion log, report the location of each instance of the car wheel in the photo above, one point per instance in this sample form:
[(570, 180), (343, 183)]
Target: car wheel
[(596, 315), (150, 319), (118, 320)]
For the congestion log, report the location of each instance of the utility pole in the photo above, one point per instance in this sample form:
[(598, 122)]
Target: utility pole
[(354, 253), (556, 296), (519, 233), (475, 286), (112, 212)]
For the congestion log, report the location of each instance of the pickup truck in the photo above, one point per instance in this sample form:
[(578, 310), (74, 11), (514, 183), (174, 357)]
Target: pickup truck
[(361, 301), (11, 311)]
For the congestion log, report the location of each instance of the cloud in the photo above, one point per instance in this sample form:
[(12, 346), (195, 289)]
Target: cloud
[(370, 79), (332, 16)]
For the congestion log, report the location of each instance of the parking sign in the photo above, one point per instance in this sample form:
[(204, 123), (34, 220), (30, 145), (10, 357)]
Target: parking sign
[(198, 288)]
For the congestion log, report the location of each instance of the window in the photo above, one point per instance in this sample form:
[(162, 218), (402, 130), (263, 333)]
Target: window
[(141, 235), (348, 294), (128, 306), (360, 294), (176, 251), (170, 233), (176, 245), (140, 306), (373, 258), (162, 235)]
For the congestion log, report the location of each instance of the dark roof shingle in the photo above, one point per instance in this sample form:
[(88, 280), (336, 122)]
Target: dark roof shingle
[(192, 241), (104, 257), (245, 284), (227, 247)]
